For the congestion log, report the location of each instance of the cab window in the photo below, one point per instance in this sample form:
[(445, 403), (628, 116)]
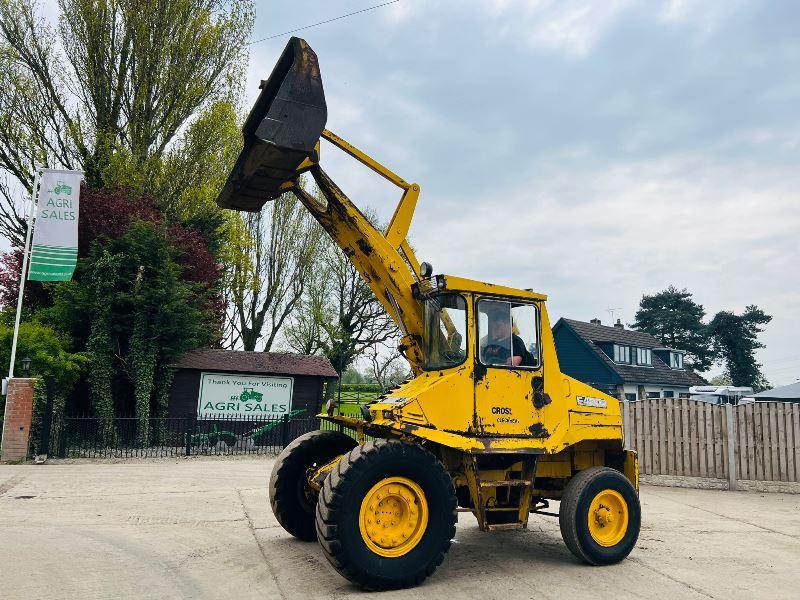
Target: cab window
[(508, 334), (445, 333)]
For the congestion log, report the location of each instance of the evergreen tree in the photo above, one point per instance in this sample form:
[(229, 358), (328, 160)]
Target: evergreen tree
[(676, 320), (735, 339)]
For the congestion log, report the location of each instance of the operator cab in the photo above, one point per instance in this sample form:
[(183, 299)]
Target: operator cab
[(492, 335), (505, 324)]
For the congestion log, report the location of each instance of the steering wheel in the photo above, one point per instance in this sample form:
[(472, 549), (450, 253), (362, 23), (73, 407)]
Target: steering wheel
[(495, 354)]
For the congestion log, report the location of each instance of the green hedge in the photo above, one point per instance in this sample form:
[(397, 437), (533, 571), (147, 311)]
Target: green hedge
[(361, 387)]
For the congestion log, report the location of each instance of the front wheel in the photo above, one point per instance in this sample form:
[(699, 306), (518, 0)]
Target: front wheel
[(600, 516), (386, 515), (293, 500)]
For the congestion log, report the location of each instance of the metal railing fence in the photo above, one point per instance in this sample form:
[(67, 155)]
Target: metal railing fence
[(124, 437)]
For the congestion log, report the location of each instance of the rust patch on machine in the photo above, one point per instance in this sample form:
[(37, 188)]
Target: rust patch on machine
[(540, 398), (538, 430), (364, 246)]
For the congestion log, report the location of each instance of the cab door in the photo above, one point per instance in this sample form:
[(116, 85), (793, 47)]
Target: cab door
[(508, 367)]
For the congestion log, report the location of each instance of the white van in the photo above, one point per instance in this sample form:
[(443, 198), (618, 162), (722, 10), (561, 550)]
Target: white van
[(721, 394)]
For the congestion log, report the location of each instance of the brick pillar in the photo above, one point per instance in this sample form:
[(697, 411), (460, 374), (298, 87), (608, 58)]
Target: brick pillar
[(17, 422)]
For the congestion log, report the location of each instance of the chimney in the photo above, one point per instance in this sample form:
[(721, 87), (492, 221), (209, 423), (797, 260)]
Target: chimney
[(619, 324), (595, 322)]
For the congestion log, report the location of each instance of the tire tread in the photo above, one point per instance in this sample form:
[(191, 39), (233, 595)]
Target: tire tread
[(336, 487), (568, 514), (282, 483)]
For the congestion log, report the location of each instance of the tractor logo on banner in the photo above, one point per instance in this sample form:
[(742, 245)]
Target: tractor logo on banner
[(249, 395)]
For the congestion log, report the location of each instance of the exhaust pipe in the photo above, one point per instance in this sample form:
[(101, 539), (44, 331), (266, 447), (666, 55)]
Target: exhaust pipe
[(280, 133)]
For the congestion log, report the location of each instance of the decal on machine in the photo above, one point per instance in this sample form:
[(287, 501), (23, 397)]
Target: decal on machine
[(591, 401), (504, 410)]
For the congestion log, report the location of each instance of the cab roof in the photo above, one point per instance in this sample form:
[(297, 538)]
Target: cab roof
[(461, 284)]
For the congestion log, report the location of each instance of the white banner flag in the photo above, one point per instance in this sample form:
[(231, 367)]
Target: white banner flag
[(54, 252)]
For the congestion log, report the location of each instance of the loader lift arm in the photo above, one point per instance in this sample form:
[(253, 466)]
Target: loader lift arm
[(281, 142), (384, 259)]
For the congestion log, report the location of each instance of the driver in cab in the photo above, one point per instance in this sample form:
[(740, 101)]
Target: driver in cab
[(501, 345)]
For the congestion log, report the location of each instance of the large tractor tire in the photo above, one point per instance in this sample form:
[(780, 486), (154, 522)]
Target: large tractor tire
[(600, 516), (293, 500), (386, 515)]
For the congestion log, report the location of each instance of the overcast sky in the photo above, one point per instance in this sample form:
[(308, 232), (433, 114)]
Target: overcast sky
[(592, 150)]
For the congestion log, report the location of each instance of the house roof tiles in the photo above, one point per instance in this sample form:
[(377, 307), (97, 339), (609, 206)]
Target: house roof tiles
[(276, 363), (604, 333), (659, 373)]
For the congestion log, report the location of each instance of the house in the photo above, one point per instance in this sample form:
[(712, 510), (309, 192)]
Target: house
[(232, 383), (784, 393), (621, 362)]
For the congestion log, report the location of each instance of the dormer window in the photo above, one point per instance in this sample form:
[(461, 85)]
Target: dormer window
[(676, 360), (644, 356), (622, 354)]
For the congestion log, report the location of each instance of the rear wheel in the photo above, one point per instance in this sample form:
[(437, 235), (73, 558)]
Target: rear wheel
[(386, 515), (600, 516), (293, 500)]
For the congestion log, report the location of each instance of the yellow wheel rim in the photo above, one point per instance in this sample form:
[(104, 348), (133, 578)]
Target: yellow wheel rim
[(393, 517), (608, 518)]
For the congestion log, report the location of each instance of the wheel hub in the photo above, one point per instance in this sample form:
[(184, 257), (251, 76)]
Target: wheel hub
[(608, 518), (393, 516)]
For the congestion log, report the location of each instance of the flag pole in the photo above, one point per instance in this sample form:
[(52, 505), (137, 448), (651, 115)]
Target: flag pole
[(25, 255)]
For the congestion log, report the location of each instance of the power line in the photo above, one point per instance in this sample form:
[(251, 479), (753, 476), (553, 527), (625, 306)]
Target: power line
[(363, 10)]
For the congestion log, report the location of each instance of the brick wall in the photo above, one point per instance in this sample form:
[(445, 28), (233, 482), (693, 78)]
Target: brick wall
[(17, 422)]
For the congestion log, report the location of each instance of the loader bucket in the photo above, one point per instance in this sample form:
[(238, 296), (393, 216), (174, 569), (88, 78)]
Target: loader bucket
[(282, 130)]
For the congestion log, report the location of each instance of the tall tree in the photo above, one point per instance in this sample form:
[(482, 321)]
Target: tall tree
[(676, 320), (387, 365), (111, 87), (345, 314), (268, 271), (304, 332), (735, 338)]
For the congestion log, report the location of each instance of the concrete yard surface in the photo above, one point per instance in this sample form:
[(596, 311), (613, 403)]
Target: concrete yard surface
[(202, 528)]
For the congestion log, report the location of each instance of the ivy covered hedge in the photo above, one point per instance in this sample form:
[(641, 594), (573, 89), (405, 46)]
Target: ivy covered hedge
[(146, 289)]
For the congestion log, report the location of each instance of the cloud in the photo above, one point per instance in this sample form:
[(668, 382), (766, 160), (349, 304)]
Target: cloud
[(703, 14), (601, 237), (569, 26), (595, 151)]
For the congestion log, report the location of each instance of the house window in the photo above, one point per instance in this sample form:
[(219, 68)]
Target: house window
[(622, 354), (643, 356), (669, 394), (684, 395), (653, 394), (676, 360), (630, 397)]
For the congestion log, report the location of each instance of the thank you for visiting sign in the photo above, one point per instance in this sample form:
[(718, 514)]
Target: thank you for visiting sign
[(54, 253), (235, 395)]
